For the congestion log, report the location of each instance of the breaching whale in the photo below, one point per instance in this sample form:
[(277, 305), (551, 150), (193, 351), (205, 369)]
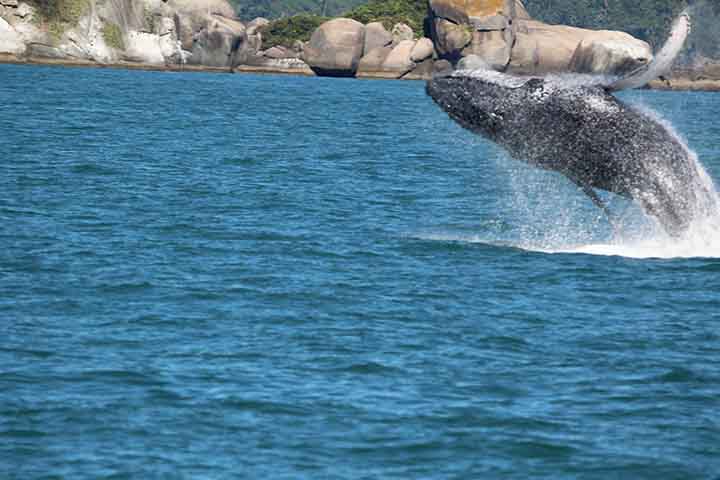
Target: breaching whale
[(575, 126)]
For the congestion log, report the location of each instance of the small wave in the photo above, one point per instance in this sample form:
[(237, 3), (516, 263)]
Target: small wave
[(702, 240)]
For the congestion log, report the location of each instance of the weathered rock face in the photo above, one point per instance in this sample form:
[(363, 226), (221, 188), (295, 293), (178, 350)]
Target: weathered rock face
[(412, 59), (376, 36), (501, 34), (371, 63), (336, 47), (157, 32), (615, 57), (540, 48), (256, 24), (398, 60), (422, 50), (216, 41), (450, 38), (401, 32)]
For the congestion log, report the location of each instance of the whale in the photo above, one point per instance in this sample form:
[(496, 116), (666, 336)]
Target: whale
[(576, 126)]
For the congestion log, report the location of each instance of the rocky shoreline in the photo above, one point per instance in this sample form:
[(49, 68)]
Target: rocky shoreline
[(679, 83), (204, 35)]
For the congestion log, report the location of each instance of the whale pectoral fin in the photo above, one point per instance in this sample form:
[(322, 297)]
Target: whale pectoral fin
[(663, 60)]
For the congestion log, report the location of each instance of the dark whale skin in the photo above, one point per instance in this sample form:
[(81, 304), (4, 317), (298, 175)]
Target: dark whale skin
[(583, 132)]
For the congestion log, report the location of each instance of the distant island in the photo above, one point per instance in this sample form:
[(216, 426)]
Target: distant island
[(405, 39)]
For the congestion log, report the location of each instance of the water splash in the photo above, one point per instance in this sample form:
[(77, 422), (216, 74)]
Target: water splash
[(634, 234), (564, 221)]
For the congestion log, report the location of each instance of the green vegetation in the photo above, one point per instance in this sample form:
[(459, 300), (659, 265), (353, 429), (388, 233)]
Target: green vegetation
[(249, 9), (286, 31), (57, 16), (390, 12), (113, 35), (66, 12)]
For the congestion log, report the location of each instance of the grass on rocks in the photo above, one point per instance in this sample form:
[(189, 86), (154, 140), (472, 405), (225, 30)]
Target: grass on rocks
[(285, 31)]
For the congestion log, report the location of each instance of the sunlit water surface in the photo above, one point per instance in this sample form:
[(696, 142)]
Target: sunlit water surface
[(236, 276)]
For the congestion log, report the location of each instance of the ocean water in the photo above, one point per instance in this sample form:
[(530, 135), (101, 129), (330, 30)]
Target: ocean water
[(237, 276)]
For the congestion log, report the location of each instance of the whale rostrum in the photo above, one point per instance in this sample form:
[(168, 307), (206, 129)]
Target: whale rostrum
[(573, 125)]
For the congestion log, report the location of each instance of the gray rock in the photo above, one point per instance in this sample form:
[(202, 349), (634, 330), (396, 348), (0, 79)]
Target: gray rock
[(540, 48), (376, 36), (216, 43), (493, 47), (335, 47), (254, 42), (23, 11), (609, 57), (44, 51), (256, 25), (489, 23), (278, 52), (441, 67), (401, 32), (9, 3), (422, 71)]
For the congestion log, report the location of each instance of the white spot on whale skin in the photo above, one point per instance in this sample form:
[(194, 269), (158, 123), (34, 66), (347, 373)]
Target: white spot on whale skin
[(600, 104)]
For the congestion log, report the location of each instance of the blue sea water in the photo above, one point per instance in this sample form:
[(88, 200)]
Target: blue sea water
[(238, 276)]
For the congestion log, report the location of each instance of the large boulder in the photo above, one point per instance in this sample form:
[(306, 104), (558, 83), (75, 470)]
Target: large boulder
[(398, 61), (493, 46), (541, 48), (371, 64), (504, 37), (376, 36), (422, 50), (216, 42), (256, 24), (401, 32), (450, 38), (610, 56), (335, 48)]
